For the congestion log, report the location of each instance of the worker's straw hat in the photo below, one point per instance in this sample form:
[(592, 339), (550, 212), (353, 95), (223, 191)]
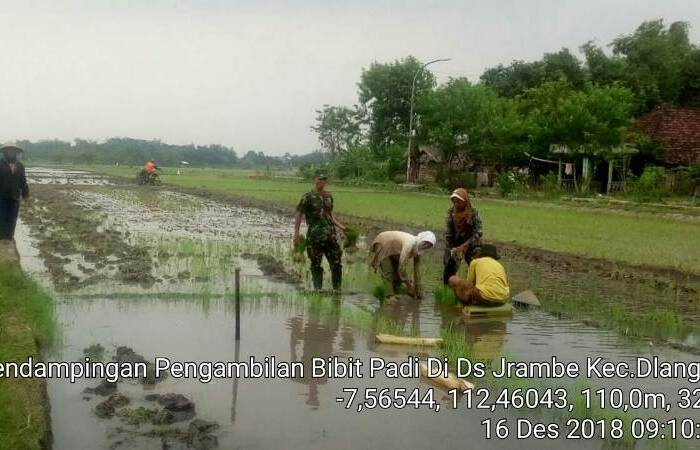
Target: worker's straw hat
[(8, 147)]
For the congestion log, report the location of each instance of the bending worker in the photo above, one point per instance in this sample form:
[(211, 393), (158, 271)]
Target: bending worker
[(316, 207), (486, 283), (462, 234), (391, 250)]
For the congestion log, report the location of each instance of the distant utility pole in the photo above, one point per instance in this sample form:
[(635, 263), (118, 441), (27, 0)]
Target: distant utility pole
[(410, 120)]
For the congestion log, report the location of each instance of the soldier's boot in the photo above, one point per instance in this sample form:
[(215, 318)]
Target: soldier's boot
[(337, 277), (317, 277)]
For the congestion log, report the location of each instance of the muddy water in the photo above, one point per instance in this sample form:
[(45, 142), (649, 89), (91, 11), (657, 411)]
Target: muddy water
[(42, 175), (187, 315)]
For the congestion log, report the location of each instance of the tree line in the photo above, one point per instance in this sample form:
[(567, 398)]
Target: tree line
[(513, 110), (127, 151)]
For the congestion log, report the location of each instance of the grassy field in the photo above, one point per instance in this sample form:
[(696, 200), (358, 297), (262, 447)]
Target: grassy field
[(643, 238), (26, 319)]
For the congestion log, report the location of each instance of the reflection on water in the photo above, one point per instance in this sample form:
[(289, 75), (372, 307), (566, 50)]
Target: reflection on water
[(309, 338)]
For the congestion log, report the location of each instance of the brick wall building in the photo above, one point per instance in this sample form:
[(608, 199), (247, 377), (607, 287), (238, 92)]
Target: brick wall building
[(677, 129)]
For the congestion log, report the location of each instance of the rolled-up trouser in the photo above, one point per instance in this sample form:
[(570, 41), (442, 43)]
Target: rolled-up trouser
[(9, 210), (469, 294), (330, 248), (390, 273)]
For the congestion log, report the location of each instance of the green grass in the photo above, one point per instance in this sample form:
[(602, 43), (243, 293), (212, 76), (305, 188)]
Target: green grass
[(643, 239), (26, 321), (654, 322)]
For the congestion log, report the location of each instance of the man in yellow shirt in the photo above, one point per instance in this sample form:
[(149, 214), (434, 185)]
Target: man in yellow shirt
[(486, 283)]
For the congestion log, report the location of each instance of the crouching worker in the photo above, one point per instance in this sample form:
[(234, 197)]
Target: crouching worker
[(389, 253), (486, 283)]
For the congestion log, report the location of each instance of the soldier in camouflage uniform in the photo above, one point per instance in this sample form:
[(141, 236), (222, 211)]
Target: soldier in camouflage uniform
[(316, 207)]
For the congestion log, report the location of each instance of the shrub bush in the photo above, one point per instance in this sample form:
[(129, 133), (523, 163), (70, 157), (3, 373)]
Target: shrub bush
[(452, 179), (550, 184), (507, 183), (650, 186)]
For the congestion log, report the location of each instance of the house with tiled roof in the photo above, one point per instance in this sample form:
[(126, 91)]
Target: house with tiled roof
[(677, 129)]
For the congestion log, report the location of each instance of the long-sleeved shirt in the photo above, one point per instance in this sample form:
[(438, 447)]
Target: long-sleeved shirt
[(13, 185), (472, 232), (396, 243)]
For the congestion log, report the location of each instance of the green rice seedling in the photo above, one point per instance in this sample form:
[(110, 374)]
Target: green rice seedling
[(352, 234), (299, 250), (445, 296), (379, 291), (454, 345), (388, 326)]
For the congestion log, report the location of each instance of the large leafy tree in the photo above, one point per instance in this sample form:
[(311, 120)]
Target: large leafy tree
[(563, 64), (588, 120), (690, 91), (519, 76), (515, 78), (461, 118), (603, 69), (655, 62), (385, 97), (337, 128)]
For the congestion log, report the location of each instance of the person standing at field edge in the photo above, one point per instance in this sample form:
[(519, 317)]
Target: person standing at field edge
[(462, 234), (316, 207), (13, 185)]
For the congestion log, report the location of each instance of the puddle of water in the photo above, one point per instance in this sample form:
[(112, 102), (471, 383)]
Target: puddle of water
[(265, 413), (43, 175)]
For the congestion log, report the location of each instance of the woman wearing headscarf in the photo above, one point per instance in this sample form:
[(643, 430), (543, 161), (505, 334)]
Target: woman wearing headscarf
[(391, 250), (463, 233), (13, 185)]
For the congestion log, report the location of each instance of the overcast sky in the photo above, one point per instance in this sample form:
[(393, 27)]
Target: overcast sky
[(250, 74)]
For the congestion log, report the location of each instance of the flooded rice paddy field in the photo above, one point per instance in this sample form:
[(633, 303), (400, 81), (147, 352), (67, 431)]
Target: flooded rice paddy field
[(149, 272)]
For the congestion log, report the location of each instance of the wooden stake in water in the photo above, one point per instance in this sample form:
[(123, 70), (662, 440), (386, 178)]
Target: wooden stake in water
[(238, 304)]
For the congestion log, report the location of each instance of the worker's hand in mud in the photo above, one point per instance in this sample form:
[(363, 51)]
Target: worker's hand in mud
[(410, 290)]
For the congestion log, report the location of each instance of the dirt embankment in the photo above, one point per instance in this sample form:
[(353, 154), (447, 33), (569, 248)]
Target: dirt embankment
[(24, 404)]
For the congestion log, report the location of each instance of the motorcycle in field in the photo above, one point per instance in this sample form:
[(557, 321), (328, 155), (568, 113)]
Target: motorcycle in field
[(143, 178)]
